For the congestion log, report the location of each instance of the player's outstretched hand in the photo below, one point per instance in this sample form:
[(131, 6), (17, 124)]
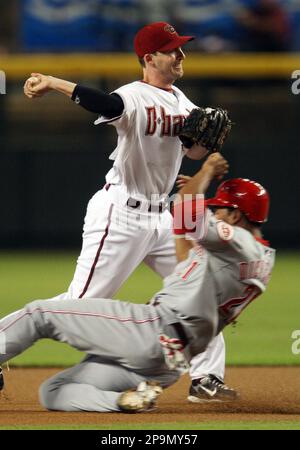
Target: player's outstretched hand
[(37, 85), (217, 165), (182, 180)]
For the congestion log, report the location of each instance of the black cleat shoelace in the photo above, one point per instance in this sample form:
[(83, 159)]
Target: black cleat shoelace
[(218, 383)]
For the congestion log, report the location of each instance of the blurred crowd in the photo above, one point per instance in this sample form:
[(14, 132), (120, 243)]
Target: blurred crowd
[(109, 25)]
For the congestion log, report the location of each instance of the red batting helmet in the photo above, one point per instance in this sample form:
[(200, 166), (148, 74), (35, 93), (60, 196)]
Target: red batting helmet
[(249, 197)]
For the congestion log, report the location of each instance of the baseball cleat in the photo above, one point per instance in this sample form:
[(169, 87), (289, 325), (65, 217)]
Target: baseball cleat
[(211, 389), (1, 379), (141, 399)]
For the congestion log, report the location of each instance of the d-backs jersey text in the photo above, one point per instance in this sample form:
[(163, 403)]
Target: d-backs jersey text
[(149, 153)]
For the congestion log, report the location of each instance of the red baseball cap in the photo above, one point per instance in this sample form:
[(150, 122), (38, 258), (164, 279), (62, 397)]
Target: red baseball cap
[(158, 37)]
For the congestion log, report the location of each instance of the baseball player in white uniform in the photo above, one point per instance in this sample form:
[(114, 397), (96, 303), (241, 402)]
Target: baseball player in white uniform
[(128, 221), (224, 266)]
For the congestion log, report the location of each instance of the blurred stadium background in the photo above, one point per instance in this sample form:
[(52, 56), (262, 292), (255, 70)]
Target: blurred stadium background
[(53, 158)]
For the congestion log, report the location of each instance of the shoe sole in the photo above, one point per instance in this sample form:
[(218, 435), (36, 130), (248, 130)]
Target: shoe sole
[(193, 399)]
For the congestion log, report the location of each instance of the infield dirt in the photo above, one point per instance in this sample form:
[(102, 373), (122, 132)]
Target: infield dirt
[(267, 394)]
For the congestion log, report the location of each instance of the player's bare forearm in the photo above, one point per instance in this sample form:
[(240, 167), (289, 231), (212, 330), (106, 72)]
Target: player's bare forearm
[(182, 247), (63, 86), (214, 166), (198, 184)]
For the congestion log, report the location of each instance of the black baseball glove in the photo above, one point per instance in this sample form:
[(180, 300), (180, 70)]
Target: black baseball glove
[(207, 127)]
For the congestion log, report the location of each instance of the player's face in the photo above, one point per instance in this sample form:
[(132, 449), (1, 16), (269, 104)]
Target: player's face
[(230, 216), (169, 64)]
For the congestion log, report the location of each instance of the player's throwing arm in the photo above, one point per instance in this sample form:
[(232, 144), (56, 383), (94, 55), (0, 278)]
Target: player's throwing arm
[(38, 85)]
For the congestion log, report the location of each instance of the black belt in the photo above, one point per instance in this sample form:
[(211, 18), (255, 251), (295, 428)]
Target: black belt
[(135, 204)]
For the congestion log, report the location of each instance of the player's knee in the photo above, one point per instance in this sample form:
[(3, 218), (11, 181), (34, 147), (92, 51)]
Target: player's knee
[(47, 395), (56, 395), (50, 394)]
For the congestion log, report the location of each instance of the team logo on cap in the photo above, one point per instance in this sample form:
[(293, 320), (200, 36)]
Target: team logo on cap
[(169, 29)]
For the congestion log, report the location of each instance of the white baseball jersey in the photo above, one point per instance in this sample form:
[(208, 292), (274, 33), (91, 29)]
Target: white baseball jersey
[(149, 154)]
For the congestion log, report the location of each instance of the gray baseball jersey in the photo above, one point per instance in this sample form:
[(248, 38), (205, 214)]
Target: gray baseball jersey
[(225, 271)]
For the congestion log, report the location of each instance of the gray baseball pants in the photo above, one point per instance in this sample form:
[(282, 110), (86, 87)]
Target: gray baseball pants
[(121, 341)]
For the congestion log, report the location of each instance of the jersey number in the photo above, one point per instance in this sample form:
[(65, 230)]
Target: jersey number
[(232, 308)]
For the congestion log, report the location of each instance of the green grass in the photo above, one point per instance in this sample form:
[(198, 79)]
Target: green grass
[(234, 425), (261, 337)]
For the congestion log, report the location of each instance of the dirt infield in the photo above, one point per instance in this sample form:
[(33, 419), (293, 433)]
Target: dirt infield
[(267, 394)]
